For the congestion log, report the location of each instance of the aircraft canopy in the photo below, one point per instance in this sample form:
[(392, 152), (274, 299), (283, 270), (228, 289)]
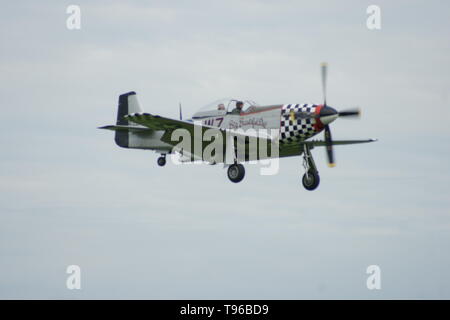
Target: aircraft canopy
[(221, 107)]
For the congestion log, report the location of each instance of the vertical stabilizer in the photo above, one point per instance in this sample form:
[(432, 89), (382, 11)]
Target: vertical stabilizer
[(127, 104)]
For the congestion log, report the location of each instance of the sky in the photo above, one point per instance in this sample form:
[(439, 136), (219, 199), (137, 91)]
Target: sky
[(70, 196)]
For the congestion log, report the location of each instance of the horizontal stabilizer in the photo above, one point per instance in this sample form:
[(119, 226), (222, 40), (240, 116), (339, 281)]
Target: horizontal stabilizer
[(125, 128)]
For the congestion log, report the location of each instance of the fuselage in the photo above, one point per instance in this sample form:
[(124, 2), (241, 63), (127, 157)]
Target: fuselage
[(294, 122)]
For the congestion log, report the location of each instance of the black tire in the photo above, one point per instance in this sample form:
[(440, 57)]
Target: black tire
[(236, 172), (161, 161), (311, 181)]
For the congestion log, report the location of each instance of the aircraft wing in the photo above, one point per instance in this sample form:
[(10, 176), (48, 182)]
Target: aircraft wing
[(160, 123), (168, 125), (321, 143), (296, 147)]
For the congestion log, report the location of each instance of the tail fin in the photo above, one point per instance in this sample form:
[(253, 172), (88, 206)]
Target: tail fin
[(127, 104)]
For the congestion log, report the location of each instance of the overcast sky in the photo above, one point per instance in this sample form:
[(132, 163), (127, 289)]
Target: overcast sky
[(70, 196)]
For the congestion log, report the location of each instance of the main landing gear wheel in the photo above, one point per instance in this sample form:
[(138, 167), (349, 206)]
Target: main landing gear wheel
[(236, 172), (311, 180), (162, 161)]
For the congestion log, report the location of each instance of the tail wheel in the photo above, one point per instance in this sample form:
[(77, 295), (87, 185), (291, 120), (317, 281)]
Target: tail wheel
[(236, 172), (161, 161), (311, 180)]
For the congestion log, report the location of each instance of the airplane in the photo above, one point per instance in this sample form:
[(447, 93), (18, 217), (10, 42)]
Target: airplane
[(293, 124)]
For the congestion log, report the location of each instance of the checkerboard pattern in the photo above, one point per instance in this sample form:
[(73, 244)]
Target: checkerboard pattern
[(299, 129)]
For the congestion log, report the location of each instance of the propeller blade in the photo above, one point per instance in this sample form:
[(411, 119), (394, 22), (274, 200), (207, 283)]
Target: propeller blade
[(181, 114), (329, 146), (324, 69), (350, 113)]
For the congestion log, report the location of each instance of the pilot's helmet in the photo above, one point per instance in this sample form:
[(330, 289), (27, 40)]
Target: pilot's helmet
[(221, 106), (239, 104)]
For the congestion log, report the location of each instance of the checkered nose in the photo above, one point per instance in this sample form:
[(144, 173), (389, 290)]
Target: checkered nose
[(328, 115)]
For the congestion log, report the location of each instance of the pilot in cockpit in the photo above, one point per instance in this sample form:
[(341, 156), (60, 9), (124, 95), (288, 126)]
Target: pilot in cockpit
[(221, 106), (238, 109)]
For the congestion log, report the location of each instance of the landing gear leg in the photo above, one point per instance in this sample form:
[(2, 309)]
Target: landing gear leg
[(162, 160), (311, 177)]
